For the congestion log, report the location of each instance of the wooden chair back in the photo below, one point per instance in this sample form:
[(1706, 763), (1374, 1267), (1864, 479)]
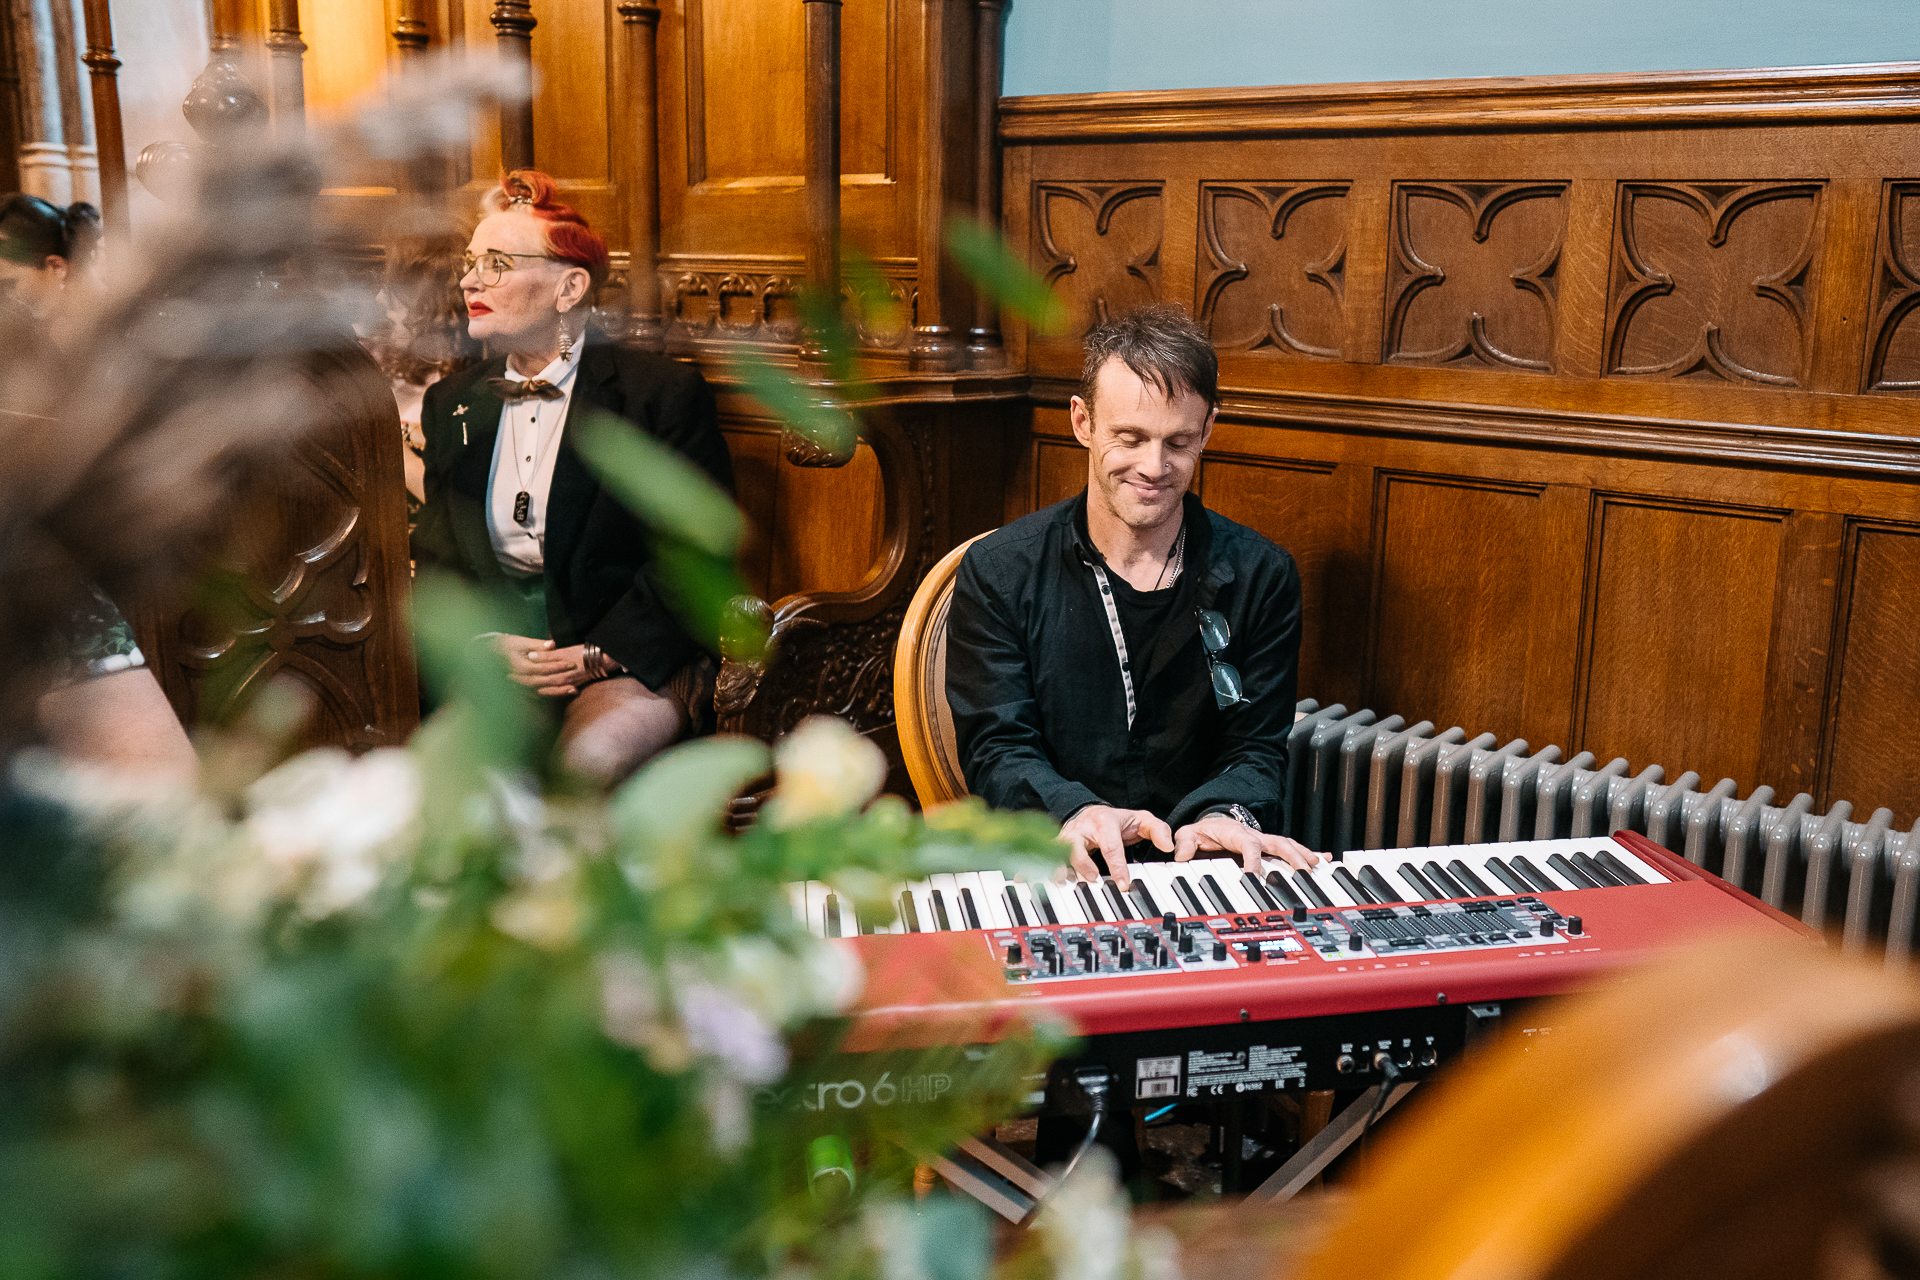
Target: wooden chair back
[(927, 739)]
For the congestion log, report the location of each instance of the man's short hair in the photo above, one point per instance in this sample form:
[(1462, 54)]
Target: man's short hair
[(1164, 348)]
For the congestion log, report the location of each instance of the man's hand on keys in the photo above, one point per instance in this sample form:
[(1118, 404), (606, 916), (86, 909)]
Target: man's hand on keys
[(1218, 833), (1110, 831)]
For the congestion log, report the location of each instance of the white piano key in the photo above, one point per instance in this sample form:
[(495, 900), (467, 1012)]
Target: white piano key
[(923, 906), (797, 894), (1024, 892), (1157, 878), (943, 884), (1066, 903), (994, 906), (817, 908), (1322, 875), (1227, 873)]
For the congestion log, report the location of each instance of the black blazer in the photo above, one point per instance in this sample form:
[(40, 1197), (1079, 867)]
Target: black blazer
[(601, 584)]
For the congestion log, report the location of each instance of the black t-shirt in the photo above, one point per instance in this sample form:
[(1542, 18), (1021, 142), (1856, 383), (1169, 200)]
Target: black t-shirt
[(1143, 614)]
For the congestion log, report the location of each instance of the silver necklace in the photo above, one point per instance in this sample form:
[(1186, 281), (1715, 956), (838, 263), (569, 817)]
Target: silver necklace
[(1176, 560)]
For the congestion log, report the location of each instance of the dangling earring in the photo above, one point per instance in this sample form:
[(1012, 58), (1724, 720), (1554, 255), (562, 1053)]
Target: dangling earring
[(566, 339)]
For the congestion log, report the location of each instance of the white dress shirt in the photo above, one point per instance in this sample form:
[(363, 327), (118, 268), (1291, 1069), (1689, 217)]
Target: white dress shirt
[(523, 452)]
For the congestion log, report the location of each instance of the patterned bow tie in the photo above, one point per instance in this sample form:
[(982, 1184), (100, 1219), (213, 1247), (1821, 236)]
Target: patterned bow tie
[(533, 389)]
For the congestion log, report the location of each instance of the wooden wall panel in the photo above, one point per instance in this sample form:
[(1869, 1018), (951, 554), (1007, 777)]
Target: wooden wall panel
[(1310, 508), (826, 529), (1475, 603), (1272, 276), (1681, 603), (1059, 471), (1870, 753), (755, 450)]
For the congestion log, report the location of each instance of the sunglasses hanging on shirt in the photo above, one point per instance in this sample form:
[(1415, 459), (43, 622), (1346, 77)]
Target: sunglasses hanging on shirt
[(1215, 635)]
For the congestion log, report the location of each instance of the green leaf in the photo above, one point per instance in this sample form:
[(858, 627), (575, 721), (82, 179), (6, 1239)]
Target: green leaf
[(990, 262), (680, 795), (659, 485), (825, 424)]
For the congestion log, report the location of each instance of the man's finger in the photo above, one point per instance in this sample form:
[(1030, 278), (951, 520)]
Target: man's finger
[(1186, 844), (1156, 830), (1082, 864), (556, 691), (1114, 849), (1292, 852)]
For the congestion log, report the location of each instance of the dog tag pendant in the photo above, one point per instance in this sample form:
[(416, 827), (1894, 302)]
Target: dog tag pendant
[(522, 501)]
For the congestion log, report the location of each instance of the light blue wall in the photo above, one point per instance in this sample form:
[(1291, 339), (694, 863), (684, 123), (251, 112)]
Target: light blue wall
[(1086, 46)]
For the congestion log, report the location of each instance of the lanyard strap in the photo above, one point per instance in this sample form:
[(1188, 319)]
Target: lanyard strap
[(1119, 638), (1177, 561)]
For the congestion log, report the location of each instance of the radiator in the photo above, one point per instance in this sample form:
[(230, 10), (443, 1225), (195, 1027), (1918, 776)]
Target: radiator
[(1357, 781)]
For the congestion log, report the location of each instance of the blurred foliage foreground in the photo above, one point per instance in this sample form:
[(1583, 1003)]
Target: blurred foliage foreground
[(431, 1012)]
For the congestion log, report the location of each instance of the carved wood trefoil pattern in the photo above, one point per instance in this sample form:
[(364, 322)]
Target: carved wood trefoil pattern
[(1473, 274), (719, 304), (1714, 280), (1098, 245), (1283, 245), (1893, 352)]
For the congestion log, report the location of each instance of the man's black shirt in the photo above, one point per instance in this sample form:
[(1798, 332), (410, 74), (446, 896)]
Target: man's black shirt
[(1033, 677)]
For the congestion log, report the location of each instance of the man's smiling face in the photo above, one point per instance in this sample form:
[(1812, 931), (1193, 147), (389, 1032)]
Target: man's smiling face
[(1142, 445)]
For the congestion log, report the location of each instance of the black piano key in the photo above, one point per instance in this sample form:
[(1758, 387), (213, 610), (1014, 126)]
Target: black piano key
[(1121, 911), (1622, 872), (1593, 869), (1015, 911), (833, 915), (940, 911), (1359, 891), (1044, 900), (1088, 903), (909, 914), (1422, 887), (1571, 874), (1259, 891), (1450, 886), (1463, 875), (1535, 876), (1215, 892), (967, 911), (1377, 885), (1508, 876), (1189, 897), (1314, 893), (1144, 896), (1277, 886)]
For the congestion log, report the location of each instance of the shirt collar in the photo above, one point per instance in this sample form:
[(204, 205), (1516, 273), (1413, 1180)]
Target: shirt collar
[(558, 370)]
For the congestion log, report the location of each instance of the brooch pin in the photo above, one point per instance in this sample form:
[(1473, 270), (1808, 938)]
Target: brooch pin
[(458, 413)]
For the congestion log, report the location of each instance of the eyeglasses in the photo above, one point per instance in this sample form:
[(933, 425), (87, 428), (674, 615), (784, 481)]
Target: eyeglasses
[(495, 263), (1214, 636)]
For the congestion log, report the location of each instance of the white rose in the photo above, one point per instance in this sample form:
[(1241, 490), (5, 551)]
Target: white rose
[(825, 769), (333, 823)]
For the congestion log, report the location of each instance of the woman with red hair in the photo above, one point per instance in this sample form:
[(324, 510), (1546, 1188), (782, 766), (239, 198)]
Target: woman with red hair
[(509, 502)]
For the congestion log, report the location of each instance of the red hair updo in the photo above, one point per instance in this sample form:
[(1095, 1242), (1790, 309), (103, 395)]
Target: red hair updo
[(568, 237)]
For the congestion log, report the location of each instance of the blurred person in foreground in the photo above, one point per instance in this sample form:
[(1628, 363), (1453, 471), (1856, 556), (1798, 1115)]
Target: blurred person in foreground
[(510, 503), (425, 339), (1126, 659), (102, 706)]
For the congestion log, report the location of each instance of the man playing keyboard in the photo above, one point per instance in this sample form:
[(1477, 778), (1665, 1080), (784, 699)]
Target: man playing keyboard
[(1126, 660)]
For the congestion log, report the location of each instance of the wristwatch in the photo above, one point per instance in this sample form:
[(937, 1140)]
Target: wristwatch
[(1243, 815)]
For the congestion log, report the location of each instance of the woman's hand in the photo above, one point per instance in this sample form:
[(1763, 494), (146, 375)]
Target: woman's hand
[(550, 672)]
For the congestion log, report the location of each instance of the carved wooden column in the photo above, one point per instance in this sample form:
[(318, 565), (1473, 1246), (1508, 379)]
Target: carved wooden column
[(823, 152), (935, 349), (286, 78), (109, 139), (983, 340), (644, 326), (412, 30), (513, 24)]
